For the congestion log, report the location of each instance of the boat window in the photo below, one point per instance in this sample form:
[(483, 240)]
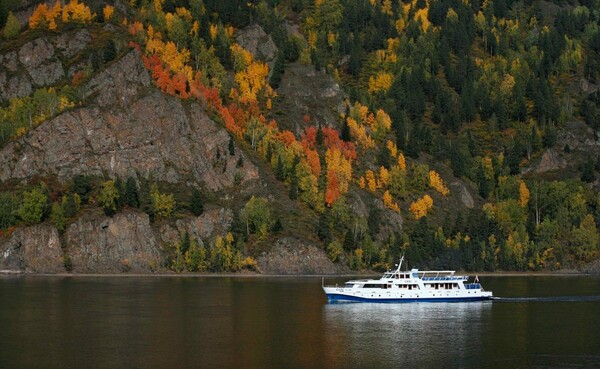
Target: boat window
[(349, 285)]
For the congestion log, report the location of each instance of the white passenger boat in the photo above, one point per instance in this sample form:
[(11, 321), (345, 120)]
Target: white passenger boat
[(410, 286)]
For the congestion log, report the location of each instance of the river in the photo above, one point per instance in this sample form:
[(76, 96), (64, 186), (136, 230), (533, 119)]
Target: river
[(285, 322)]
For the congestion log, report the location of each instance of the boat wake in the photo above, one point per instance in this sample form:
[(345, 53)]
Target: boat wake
[(589, 298)]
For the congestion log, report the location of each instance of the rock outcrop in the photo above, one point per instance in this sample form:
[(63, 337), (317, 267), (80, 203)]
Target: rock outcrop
[(254, 39), (304, 91), (211, 223), (295, 256), (35, 249), (94, 243), (129, 130), (38, 63), (122, 243), (549, 161), (465, 196)]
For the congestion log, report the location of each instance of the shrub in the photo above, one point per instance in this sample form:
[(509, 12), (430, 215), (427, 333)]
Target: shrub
[(257, 216), (34, 206)]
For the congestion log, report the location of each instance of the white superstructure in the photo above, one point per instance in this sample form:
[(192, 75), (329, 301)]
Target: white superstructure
[(409, 286)]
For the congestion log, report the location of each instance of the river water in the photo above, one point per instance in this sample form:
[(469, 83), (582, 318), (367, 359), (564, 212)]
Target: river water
[(246, 322)]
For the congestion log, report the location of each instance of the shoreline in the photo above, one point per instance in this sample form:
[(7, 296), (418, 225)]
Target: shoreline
[(12, 273)]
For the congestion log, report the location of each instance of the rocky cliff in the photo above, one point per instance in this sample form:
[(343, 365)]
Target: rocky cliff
[(128, 129), (94, 243), (41, 62)]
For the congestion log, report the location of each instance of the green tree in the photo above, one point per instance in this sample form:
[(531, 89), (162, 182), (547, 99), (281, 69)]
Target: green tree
[(334, 250), (9, 205), (70, 204), (587, 174), (146, 198), (108, 197), (196, 203), (420, 177), (178, 262), (231, 146), (121, 191), (82, 185), (349, 244), (12, 27), (185, 242), (586, 240), (34, 206), (163, 205), (294, 186), (131, 193), (278, 70), (294, 183), (178, 31), (277, 226), (109, 52), (323, 229), (374, 220), (279, 172), (195, 257), (257, 216), (57, 216)]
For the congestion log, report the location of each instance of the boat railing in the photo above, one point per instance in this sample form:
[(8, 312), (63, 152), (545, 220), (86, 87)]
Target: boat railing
[(457, 278)]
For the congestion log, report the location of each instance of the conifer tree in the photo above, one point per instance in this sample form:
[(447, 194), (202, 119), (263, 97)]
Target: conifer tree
[(131, 193), (109, 52), (196, 203), (185, 242), (70, 205), (279, 173), (231, 146), (587, 174), (12, 27), (323, 230)]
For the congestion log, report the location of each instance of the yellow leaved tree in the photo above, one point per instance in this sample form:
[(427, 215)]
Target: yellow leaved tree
[(421, 207)]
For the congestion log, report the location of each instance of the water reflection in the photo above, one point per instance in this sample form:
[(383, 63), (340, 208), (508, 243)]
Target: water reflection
[(286, 323), (413, 334)]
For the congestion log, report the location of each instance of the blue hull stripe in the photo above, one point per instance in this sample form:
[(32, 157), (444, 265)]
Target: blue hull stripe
[(345, 298)]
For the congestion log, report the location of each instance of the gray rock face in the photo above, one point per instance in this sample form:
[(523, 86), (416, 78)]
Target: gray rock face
[(213, 222), (47, 74), (70, 45), (35, 53), (95, 243), (463, 192), (304, 91), (130, 131), (120, 84), (32, 249), (10, 61), (42, 62), (254, 39), (578, 136), (295, 256), (112, 245), (549, 161), (17, 86), (35, 63)]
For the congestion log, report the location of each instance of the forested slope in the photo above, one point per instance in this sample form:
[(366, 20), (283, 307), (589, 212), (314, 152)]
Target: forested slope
[(461, 134)]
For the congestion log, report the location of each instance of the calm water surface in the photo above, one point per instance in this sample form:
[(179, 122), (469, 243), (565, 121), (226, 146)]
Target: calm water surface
[(149, 322)]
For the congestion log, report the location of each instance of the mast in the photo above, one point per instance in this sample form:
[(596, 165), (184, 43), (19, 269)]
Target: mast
[(400, 264)]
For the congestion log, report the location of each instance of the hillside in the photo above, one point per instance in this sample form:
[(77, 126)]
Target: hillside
[(298, 137)]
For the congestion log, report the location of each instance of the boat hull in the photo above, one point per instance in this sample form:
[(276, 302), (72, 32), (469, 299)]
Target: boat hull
[(338, 298)]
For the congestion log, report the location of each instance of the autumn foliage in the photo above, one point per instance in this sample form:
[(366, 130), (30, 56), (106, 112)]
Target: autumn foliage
[(45, 17), (436, 182), (421, 207)]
